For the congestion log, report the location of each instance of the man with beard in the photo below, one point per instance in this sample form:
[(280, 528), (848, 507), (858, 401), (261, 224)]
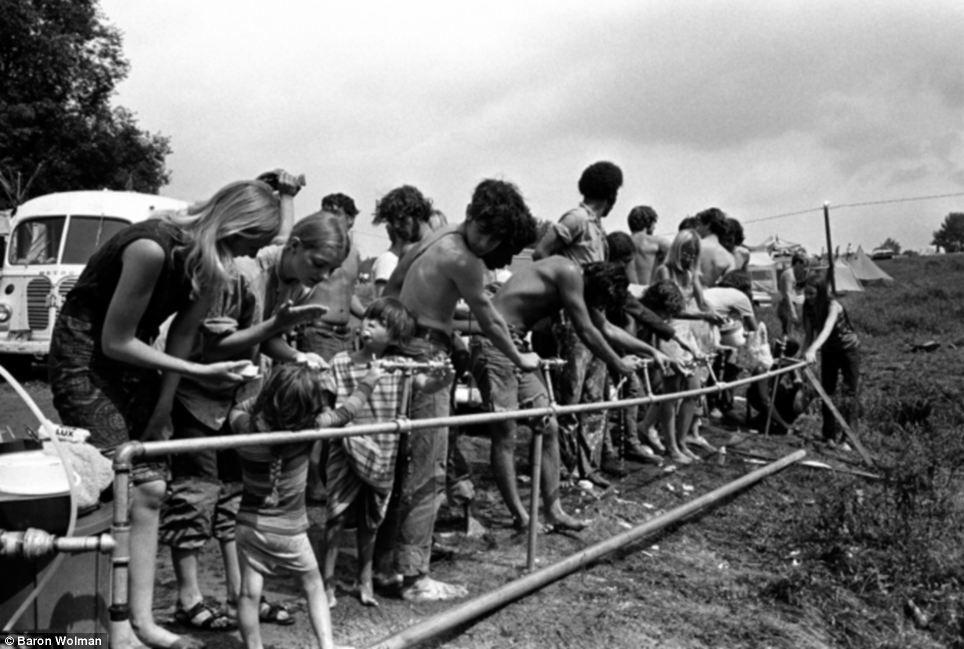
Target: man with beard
[(447, 265), (406, 214)]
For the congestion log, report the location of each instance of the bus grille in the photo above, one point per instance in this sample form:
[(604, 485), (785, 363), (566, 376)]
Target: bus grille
[(38, 313), (64, 287)]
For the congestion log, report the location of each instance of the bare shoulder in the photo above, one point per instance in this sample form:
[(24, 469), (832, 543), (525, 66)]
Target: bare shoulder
[(564, 268), (144, 251)]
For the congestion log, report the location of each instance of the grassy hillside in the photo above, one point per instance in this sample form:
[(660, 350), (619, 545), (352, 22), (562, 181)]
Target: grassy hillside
[(883, 560)]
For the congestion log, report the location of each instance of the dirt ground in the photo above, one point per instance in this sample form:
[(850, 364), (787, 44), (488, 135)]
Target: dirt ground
[(701, 584)]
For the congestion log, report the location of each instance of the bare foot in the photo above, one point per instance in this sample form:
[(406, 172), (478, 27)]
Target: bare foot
[(156, 637), (125, 637), (520, 523), (560, 521), (652, 436), (426, 589), (330, 594), (699, 440), (366, 594), (690, 454), (680, 458)]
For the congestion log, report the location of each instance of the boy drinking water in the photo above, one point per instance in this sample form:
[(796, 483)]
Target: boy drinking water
[(361, 470)]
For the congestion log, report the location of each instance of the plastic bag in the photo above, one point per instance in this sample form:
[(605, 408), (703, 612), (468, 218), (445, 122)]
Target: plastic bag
[(755, 355)]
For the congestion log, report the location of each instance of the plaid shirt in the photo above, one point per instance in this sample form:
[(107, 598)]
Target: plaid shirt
[(363, 467)]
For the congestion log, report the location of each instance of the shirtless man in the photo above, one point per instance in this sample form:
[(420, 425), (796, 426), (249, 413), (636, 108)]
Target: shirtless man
[(331, 333), (650, 249), (715, 260), (406, 214), (536, 292), (447, 265)]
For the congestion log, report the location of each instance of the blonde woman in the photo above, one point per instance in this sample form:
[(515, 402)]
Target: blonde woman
[(682, 267), (104, 370)]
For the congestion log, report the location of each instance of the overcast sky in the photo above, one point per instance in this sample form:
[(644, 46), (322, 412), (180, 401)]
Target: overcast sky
[(759, 107)]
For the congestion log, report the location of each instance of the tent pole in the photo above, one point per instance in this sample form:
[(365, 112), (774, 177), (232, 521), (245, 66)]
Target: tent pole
[(830, 260)]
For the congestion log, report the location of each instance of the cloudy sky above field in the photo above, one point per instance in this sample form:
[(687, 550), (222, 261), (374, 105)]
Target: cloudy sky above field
[(759, 107)]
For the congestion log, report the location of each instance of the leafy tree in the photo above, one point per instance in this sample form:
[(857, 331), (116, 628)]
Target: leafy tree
[(59, 64), (891, 244), (950, 236)]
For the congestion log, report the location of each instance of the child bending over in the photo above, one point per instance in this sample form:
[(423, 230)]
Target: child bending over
[(272, 523), (361, 470)]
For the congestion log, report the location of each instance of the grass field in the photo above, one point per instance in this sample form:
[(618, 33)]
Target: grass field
[(885, 557)]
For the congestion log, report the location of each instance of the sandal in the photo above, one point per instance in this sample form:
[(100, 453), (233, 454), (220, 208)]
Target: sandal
[(203, 618), (274, 613)]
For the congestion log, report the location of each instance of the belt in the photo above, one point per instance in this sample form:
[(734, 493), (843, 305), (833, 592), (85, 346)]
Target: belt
[(340, 330), (434, 335)]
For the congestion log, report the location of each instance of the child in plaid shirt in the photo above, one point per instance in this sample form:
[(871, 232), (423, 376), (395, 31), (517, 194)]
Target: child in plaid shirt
[(361, 469)]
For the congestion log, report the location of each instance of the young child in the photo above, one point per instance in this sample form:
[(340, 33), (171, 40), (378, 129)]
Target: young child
[(272, 523), (361, 470)]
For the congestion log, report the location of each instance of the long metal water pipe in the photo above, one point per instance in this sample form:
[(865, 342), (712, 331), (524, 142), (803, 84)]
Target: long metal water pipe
[(474, 608)]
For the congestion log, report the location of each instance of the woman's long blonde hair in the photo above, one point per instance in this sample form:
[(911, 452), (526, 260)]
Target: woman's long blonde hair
[(674, 262), (246, 209)]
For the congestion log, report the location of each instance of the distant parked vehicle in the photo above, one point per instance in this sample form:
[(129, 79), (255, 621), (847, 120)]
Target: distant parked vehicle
[(882, 253), (51, 238)]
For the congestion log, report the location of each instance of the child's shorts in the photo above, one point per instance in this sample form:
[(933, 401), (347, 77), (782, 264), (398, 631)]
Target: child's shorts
[(275, 554)]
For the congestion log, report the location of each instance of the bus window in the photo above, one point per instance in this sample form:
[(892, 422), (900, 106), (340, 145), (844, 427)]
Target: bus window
[(86, 234), (36, 241)]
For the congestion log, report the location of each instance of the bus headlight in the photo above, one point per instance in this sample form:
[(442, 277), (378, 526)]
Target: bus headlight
[(5, 313)]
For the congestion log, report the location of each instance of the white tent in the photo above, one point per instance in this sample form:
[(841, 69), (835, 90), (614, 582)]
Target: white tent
[(865, 269), (844, 278)]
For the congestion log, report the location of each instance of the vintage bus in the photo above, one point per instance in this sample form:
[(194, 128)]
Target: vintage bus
[(51, 238)]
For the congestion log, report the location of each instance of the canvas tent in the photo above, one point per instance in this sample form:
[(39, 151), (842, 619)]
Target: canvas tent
[(844, 278), (865, 269)]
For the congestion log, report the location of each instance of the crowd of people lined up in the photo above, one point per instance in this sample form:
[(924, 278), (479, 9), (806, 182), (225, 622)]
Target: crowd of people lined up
[(202, 323)]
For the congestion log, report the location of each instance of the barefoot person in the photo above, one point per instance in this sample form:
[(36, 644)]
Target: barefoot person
[(272, 530), (531, 294), (361, 469), (103, 369), (448, 265)]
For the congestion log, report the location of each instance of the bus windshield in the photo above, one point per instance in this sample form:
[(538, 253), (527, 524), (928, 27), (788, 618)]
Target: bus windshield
[(37, 241)]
